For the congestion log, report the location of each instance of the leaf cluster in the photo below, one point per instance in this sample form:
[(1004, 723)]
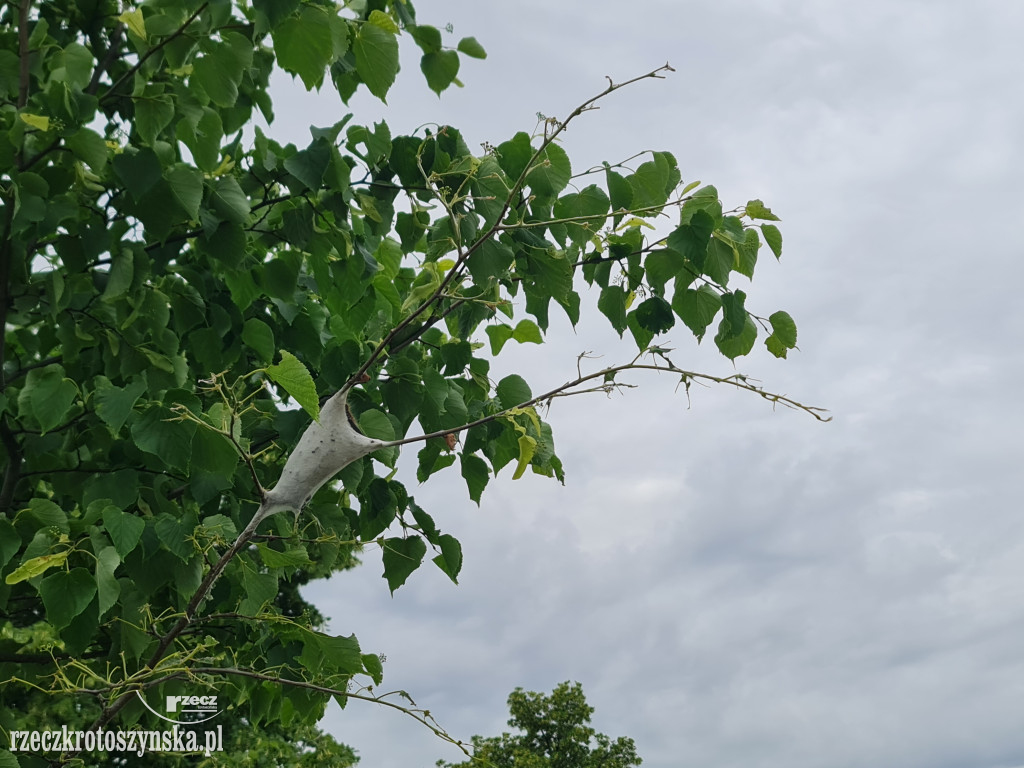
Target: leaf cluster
[(173, 285)]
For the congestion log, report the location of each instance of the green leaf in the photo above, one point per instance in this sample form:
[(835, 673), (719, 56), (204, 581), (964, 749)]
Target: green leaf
[(527, 447), (273, 12), (135, 22), (430, 459), (649, 182), (513, 391), (655, 314), (48, 395), (162, 433), (340, 653), (114, 404), (229, 201), (401, 558), (121, 274), (304, 46), (691, 239), (732, 345), (125, 530), (296, 557), (107, 586), (440, 69), (746, 253), (139, 171), (589, 207), (260, 337), (514, 155), (202, 139), (551, 172), (734, 312), (450, 559), (641, 335), (476, 474), (704, 199), (39, 122), (373, 667), (720, 260), (758, 210), (661, 266), (776, 347), (77, 63), (527, 331), (309, 165), (35, 566), (213, 454), (773, 237), (376, 424), (294, 377), (48, 514), (376, 52), (66, 594), (492, 259), (470, 47), (220, 526), (90, 148), (187, 186), (498, 334), (259, 589), (697, 308), (175, 533), (217, 74), (152, 115), (783, 337), (427, 38), (612, 304), (383, 20)]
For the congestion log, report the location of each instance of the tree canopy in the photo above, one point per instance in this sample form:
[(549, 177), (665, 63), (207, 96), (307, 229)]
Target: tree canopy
[(555, 733), (204, 327)]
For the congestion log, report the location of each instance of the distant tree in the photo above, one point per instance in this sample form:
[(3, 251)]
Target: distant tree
[(555, 733)]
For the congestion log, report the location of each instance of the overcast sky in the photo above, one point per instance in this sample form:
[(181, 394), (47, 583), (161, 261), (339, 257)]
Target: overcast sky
[(735, 586)]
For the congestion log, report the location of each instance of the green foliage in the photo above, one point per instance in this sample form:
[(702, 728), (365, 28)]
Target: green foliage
[(174, 281), (555, 733)]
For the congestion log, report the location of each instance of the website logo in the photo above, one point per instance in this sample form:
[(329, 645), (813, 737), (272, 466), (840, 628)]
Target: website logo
[(185, 709)]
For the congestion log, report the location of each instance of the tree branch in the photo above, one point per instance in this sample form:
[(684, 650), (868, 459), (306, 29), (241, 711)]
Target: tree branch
[(460, 263), (24, 76), (112, 54), (422, 716), (569, 388), (12, 472)]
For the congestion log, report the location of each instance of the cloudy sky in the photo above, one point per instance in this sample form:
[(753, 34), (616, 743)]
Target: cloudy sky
[(735, 586)]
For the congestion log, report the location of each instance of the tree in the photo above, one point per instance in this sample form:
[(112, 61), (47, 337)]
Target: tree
[(555, 734), (205, 328)]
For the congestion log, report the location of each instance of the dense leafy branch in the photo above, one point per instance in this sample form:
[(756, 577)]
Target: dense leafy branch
[(458, 269), (112, 91), (172, 285)]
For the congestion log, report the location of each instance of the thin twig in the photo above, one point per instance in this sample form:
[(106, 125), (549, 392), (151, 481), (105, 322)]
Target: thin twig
[(422, 716), (738, 381)]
